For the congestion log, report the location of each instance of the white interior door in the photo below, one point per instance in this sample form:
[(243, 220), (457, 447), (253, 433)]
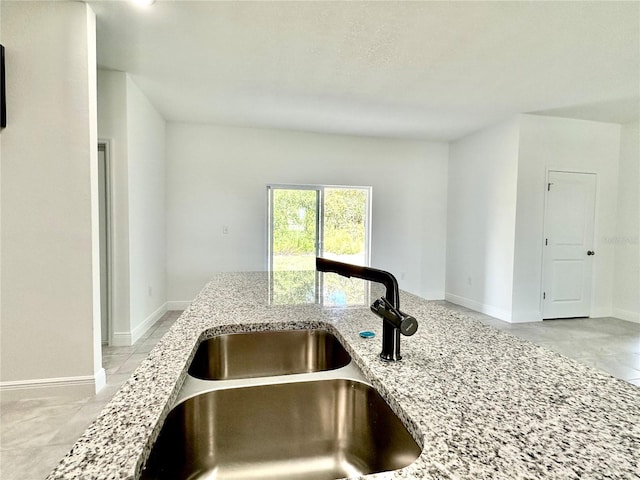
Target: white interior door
[(568, 250)]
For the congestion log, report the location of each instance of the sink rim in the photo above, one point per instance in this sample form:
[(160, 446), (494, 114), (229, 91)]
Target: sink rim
[(402, 422), (357, 362), (345, 356), (193, 386)]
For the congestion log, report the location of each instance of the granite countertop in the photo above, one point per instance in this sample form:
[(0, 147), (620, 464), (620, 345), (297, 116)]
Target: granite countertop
[(482, 403)]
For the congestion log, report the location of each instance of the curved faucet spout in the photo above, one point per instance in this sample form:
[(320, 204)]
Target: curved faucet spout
[(365, 273), (388, 308)]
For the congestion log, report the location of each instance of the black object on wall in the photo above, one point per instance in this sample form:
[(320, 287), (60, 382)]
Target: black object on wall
[(3, 92)]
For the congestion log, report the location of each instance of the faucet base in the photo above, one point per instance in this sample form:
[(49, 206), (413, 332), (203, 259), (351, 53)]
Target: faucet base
[(390, 358), (390, 343)]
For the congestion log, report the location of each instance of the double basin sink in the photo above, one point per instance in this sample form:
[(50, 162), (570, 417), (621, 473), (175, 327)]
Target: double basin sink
[(277, 405)]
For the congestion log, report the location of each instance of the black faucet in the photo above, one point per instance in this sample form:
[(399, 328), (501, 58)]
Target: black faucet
[(395, 321)]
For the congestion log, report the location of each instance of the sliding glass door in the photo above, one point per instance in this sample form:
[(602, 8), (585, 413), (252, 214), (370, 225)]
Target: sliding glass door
[(345, 224), (294, 228), (306, 221)]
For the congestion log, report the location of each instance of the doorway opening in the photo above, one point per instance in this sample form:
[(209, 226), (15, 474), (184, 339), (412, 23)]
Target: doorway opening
[(568, 244), (104, 203)]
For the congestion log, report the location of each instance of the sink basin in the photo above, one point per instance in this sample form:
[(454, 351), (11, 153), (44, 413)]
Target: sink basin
[(260, 354), (305, 430)]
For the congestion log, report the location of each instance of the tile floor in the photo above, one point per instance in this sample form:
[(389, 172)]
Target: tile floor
[(36, 433)]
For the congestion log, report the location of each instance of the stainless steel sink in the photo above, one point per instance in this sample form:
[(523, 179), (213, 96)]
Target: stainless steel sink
[(260, 354), (305, 430)]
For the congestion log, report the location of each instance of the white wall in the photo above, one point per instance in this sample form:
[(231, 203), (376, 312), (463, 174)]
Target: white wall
[(112, 126), (136, 132), (218, 175), (564, 144), (50, 302), (481, 219), (626, 298), (147, 242)]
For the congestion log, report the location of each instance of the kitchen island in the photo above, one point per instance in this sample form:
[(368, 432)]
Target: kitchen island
[(481, 403)]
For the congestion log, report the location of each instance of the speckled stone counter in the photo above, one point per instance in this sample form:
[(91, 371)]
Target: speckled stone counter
[(482, 403)]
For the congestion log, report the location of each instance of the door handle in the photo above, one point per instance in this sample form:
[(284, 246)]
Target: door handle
[(591, 252)]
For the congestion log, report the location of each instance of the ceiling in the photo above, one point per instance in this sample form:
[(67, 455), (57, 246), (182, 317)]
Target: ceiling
[(424, 70)]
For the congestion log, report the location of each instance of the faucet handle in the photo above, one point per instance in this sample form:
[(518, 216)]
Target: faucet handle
[(407, 324)]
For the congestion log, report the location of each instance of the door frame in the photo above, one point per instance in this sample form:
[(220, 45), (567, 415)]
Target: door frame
[(106, 143), (548, 170)]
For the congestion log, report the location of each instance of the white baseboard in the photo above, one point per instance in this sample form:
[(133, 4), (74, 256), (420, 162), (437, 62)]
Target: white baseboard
[(125, 339), (121, 339), (428, 295), (600, 313), (178, 305), (149, 322), (490, 310), (626, 315), (42, 387)]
